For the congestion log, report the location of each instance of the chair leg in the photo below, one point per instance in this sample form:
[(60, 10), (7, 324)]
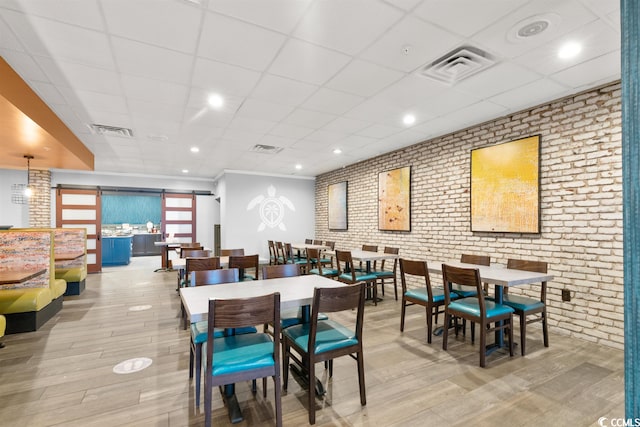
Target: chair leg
[(395, 287), (363, 392), (285, 364), (264, 387), (198, 372), (312, 390), (208, 392), (429, 311), (331, 368), (511, 336), (402, 311), (191, 356), (473, 332), (445, 330), (523, 333), (483, 345), (278, 397), (545, 332), (375, 293)]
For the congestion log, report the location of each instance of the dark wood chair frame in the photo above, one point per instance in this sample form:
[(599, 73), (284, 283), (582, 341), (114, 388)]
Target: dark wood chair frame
[(345, 265), (418, 269), (328, 300), (235, 313), (244, 263), (394, 251), (231, 252), (538, 267), (470, 277)]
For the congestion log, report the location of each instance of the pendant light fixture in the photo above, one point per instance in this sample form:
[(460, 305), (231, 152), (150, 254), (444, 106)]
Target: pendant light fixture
[(28, 191)]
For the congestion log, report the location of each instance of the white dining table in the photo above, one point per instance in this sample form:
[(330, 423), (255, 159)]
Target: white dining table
[(499, 276)]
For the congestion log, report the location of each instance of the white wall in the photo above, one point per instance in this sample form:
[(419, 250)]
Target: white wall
[(10, 213), (251, 215), (207, 213)]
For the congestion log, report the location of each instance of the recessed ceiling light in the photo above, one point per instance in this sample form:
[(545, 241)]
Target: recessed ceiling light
[(569, 50), (298, 166), (195, 149), (337, 151), (409, 119), (185, 170), (216, 101)]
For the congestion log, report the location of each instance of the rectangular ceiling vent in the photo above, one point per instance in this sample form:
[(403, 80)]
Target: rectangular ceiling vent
[(458, 65), (266, 149), (111, 131)]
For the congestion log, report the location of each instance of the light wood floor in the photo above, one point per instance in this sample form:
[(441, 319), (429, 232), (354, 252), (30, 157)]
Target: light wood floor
[(62, 374)]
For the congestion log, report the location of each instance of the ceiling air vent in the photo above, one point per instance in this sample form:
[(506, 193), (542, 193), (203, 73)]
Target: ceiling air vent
[(266, 149), (111, 131), (458, 64)]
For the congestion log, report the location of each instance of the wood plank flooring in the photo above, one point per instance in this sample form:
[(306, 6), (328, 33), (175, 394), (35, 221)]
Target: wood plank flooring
[(62, 375)]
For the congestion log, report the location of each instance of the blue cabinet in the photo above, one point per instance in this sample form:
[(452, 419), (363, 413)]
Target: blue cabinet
[(116, 250)]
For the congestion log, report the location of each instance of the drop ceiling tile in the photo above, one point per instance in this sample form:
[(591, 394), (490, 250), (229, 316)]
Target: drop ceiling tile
[(330, 24), (403, 4), (82, 13), (592, 73), (364, 78), (290, 131), (374, 110), (332, 101), (597, 38), (477, 113), (379, 131), (157, 131), (229, 40), (223, 78), (278, 15), (499, 78), (161, 30), (152, 110), (418, 36), (8, 41), (411, 90), (64, 42), (277, 141), (565, 16), (465, 17), (153, 62), (446, 102), (345, 125), (285, 91), (86, 78), (252, 125), (28, 67), (357, 141), (199, 100), (326, 137), (204, 116), (48, 93), (154, 90), (242, 138), (529, 95), (95, 101), (254, 108), (308, 118), (318, 66)]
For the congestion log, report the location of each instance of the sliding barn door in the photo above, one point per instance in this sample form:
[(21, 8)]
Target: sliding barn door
[(179, 217), (81, 209)]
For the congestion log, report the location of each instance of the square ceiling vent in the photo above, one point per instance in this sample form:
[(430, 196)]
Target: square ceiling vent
[(266, 149), (458, 65), (110, 131)]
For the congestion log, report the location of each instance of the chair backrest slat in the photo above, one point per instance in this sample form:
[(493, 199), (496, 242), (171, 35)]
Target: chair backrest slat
[(418, 269), (475, 259), (231, 252), (278, 271), (214, 277), (467, 277), (199, 253)]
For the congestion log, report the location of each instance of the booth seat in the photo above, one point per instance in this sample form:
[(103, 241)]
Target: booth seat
[(75, 278), (3, 326), (27, 309)]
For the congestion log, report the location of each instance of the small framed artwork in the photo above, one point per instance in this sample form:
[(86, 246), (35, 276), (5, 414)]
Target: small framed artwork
[(337, 206), (394, 200), (505, 187)]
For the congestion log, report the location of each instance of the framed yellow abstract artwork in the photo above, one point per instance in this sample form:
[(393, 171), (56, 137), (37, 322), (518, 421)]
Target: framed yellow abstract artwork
[(394, 200), (337, 195), (505, 187)]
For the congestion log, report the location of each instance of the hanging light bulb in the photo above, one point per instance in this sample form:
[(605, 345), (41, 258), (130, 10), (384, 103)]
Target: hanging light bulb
[(28, 191)]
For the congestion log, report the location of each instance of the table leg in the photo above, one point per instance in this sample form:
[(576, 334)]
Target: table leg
[(233, 407), (499, 333)]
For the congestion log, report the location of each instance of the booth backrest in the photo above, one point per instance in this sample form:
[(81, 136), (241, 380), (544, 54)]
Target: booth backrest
[(28, 250), (70, 241)]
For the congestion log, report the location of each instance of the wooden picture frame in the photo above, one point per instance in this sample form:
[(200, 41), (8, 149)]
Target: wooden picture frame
[(505, 187), (337, 206), (394, 200)]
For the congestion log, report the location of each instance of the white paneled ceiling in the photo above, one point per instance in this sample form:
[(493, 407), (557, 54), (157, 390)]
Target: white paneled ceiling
[(309, 76)]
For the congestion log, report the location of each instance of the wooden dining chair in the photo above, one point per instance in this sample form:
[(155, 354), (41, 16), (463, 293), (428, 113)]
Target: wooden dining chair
[(526, 306), (231, 252), (488, 314), (308, 241), (369, 248), (280, 252), (315, 265), (348, 274), (383, 274), (273, 256), (325, 340), (292, 316), (327, 259), (232, 359), (199, 330), (432, 298), (247, 264), (293, 259), (195, 264)]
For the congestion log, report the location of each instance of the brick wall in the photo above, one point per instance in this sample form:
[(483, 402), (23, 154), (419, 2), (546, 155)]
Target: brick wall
[(581, 207), (40, 201)]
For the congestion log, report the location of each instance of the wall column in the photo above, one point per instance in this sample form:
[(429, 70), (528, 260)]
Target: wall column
[(629, 19), (40, 200)]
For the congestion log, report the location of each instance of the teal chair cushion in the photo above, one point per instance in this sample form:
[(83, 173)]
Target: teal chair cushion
[(325, 271), (464, 291), (239, 353), (294, 317), (330, 336), (361, 277), (421, 294), (519, 303), (199, 331), (383, 273), (471, 306)]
